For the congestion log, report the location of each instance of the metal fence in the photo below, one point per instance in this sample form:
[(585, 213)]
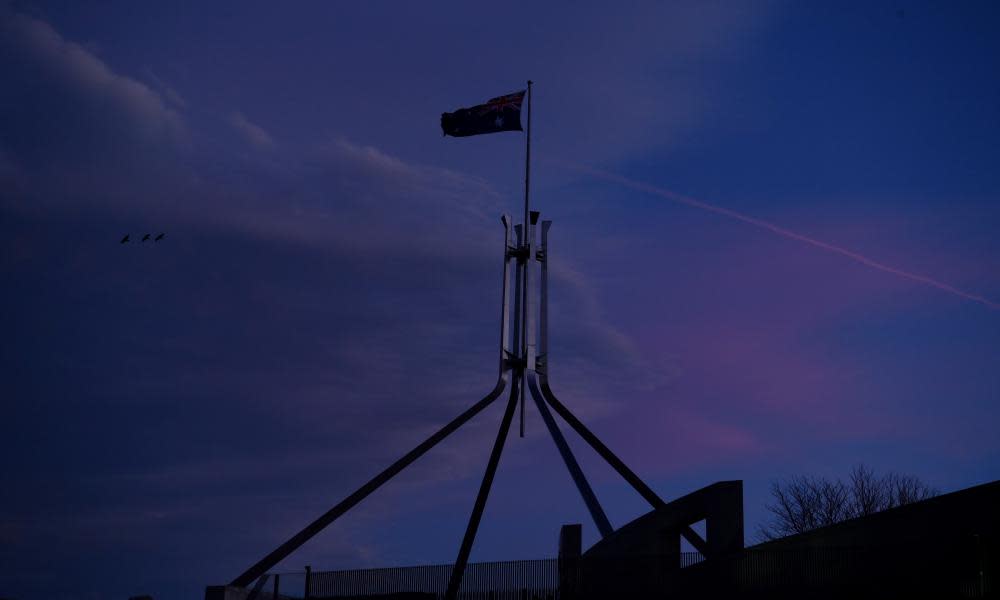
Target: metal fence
[(691, 558), (501, 580), (947, 571)]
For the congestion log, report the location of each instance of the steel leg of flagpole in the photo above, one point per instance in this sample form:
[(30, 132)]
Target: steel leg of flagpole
[(605, 452), (546, 392), (616, 463), (529, 349), (484, 490), (589, 498), (538, 371), (543, 376), (514, 341), (518, 317), (346, 504)]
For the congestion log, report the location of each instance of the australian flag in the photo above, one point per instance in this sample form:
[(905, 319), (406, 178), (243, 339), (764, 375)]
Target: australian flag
[(499, 114)]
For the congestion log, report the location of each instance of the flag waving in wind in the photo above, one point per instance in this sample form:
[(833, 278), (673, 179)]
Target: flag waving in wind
[(499, 114)]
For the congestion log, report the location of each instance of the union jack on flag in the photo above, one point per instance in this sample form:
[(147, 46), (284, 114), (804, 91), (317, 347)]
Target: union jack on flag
[(501, 103)]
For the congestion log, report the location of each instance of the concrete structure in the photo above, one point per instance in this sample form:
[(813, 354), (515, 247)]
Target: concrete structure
[(658, 532), (643, 557), (943, 547)]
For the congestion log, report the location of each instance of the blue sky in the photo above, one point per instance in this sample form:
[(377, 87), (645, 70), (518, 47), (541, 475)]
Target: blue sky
[(325, 296)]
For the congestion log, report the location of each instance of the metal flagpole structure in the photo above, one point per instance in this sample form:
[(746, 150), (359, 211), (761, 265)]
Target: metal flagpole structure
[(503, 379), (527, 213), (541, 391), (524, 367)]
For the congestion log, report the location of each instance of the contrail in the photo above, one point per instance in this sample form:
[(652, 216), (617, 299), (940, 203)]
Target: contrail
[(675, 197)]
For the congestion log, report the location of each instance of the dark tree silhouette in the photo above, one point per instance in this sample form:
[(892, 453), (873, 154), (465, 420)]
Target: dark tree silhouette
[(804, 503)]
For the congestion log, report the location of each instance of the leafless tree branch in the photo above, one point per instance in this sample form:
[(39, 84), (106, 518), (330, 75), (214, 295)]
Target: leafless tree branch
[(803, 503)]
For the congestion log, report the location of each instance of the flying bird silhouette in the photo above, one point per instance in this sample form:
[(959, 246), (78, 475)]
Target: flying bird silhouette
[(159, 237), (145, 237), (124, 239)]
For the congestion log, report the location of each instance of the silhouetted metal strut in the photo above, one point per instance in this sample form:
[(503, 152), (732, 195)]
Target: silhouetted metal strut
[(524, 367)]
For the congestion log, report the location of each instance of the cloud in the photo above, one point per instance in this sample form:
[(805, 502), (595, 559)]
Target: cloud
[(314, 312), (171, 94), (782, 231), (318, 309), (254, 134), (631, 85), (71, 65)]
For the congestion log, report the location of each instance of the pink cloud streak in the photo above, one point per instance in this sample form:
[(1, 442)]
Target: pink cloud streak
[(675, 197)]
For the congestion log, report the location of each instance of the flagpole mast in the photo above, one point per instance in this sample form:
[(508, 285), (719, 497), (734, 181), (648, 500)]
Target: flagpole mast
[(527, 245), (527, 159)]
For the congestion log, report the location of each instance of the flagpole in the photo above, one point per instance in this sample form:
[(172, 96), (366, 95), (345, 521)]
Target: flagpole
[(527, 160), (527, 264)]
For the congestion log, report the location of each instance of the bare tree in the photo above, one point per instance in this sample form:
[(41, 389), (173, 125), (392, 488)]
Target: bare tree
[(869, 494), (905, 489), (804, 503)]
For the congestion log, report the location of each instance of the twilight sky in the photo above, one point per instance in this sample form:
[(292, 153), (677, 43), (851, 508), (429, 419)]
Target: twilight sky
[(326, 294)]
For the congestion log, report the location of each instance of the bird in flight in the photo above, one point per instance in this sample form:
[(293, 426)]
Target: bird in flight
[(159, 237), (145, 237), (124, 239)]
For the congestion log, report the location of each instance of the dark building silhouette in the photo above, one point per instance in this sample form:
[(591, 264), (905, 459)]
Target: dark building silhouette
[(943, 547)]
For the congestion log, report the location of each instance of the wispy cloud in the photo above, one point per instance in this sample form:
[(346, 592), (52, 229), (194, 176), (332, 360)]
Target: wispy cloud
[(776, 229), (251, 132), (73, 65), (168, 91), (316, 310)]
